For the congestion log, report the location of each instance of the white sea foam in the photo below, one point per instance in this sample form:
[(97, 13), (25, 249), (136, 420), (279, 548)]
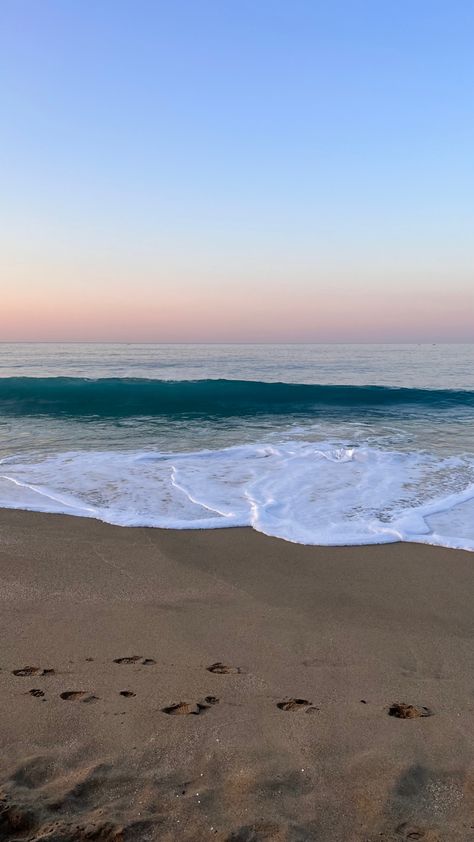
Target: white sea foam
[(306, 492)]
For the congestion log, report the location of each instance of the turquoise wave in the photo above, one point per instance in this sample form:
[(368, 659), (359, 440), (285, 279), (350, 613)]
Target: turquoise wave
[(128, 397)]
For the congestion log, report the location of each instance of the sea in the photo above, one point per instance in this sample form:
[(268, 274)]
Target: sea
[(315, 444)]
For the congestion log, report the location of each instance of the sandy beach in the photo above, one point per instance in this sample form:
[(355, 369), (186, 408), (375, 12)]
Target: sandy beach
[(113, 727)]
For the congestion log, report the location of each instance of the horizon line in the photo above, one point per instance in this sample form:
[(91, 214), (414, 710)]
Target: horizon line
[(217, 342)]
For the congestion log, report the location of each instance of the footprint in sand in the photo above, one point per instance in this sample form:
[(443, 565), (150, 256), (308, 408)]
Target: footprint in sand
[(297, 704), (187, 708), (38, 694), (25, 671), (127, 694), (409, 831), (78, 695), (222, 669), (131, 659), (403, 711), (180, 709)]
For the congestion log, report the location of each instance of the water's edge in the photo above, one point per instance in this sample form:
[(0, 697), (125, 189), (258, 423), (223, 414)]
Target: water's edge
[(306, 492)]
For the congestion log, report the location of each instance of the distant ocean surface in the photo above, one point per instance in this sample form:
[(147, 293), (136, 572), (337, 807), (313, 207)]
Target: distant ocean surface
[(318, 444)]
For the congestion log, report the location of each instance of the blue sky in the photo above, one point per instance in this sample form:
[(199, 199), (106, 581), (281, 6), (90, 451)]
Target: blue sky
[(237, 170)]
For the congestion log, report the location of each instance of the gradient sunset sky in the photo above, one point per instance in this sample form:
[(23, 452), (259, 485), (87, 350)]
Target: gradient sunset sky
[(237, 170)]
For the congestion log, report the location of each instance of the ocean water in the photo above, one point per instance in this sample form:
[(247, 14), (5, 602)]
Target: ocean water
[(318, 444)]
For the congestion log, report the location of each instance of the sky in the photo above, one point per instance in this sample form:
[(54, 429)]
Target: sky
[(237, 170)]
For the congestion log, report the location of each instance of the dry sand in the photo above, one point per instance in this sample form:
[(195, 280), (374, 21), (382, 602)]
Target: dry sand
[(87, 751)]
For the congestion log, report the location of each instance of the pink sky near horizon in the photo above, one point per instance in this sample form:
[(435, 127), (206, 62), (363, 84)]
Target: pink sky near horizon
[(187, 313)]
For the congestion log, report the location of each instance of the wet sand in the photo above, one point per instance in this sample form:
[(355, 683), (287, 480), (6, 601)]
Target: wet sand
[(113, 727)]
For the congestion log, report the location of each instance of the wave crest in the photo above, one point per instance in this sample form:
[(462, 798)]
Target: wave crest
[(114, 397)]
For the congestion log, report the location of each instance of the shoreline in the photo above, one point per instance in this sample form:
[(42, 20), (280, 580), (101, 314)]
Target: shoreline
[(349, 630), (221, 527)]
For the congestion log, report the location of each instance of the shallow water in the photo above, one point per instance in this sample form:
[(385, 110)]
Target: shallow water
[(283, 438)]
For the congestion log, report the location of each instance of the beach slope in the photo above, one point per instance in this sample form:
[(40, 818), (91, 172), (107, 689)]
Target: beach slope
[(160, 685)]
